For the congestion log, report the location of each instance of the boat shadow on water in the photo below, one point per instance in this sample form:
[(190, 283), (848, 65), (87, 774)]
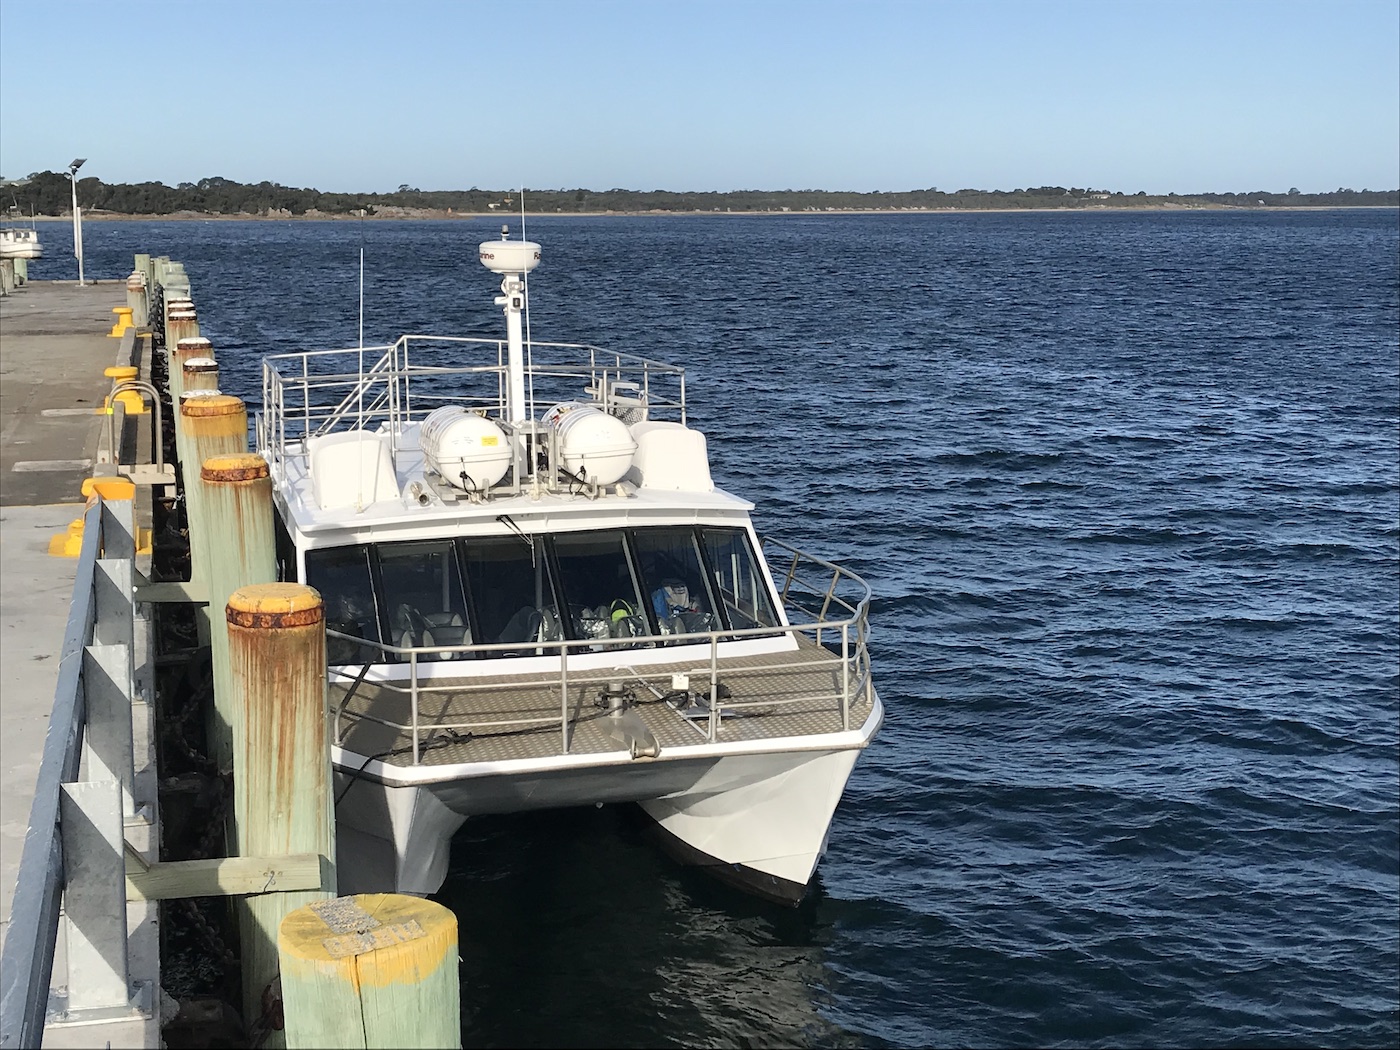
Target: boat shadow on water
[(577, 929)]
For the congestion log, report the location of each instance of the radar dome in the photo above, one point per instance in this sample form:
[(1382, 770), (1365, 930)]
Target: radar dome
[(509, 256)]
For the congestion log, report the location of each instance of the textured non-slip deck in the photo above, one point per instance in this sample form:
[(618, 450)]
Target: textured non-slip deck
[(507, 717)]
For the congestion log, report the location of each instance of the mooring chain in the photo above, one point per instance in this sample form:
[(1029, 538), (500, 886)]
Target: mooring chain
[(199, 688), (201, 762), (212, 940), (213, 836)]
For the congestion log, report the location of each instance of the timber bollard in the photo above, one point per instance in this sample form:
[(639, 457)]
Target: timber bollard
[(373, 970), (236, 505), (180, 323), (178, 317), (173, 280), (282, 784), (200, 373), (209, 424), (178, 353), (136, 298), (182, 430)]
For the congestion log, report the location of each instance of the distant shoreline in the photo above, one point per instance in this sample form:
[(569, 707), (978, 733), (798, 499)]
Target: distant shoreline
[(405, 215)]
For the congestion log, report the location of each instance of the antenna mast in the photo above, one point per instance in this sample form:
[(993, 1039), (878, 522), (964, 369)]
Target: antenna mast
[(512, 260)]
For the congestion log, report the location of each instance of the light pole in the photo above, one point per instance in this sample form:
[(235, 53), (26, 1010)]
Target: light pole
[(77, 216)]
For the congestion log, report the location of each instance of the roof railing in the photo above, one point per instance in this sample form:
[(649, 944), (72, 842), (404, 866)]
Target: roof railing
[(314, 392)]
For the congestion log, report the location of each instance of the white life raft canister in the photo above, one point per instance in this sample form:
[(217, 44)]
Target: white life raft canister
[(467, 450), (593, 446)]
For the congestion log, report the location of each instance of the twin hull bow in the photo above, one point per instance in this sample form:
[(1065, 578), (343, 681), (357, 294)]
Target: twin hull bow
[(757, 820)]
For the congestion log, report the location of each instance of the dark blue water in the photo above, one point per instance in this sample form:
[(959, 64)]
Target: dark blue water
[(1127, 487)]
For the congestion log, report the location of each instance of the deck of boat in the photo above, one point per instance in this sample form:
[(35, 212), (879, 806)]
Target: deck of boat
[(505, 717)]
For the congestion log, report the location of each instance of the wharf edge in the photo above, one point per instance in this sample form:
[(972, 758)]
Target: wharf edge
[(99, 522)]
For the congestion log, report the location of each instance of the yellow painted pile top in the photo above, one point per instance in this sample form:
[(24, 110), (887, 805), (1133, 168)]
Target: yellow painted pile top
[(402, 938), (219, 405), (274, 607), (243, 466)]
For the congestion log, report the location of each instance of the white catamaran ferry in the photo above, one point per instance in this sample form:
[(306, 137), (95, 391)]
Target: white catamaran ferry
[(536, 598)]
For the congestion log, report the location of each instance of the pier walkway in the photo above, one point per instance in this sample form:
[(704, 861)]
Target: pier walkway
[(54, 348)]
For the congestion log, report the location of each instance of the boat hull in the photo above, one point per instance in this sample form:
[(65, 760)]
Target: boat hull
[(758, 819)]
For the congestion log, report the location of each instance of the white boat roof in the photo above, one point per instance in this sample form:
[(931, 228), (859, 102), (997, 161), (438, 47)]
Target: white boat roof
[(627, 504), (341, 430)]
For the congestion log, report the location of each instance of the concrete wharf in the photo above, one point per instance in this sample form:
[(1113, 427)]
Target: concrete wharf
[(55, 347), (52, 355), (134, 608)]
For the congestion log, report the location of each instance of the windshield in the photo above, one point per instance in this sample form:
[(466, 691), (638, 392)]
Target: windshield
[(618, 588)]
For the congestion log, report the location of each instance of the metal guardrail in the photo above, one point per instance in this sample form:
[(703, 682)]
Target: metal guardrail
[(73, 867), (312, 392), (833, 609)]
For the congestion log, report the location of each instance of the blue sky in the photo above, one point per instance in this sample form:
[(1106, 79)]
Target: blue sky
[(1227, 95)]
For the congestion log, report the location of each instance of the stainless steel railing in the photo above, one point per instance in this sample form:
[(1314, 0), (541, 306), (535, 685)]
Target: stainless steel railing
[(822, 600)]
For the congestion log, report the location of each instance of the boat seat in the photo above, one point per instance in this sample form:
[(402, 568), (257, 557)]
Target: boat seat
[(522, 627), (411, 629), (407, 621), (445, 628), (550, 628), (532, 625)]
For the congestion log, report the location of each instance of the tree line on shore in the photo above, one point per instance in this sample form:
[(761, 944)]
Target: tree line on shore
[(49, 193)]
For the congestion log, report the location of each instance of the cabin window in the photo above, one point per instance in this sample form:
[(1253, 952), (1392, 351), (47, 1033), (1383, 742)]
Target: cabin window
[(512, 592), (423, 595), (600, 586), (640, 583), (743, 591), (674, 580), (342, 575)]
